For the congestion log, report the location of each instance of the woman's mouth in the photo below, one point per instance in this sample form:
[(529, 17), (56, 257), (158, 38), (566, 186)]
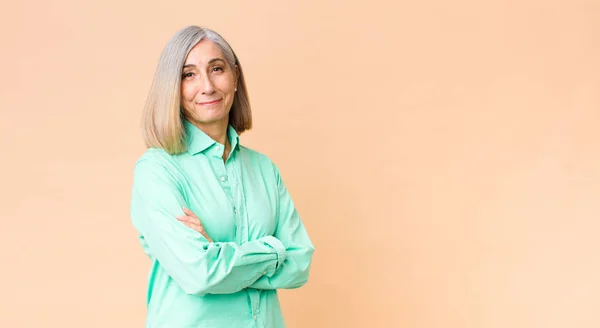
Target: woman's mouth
[(208, 103)]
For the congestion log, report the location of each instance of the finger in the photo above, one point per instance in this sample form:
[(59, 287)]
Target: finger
[(189, 219), (199, 229), (195, 227), (185, 218), (189, 212), (193, 222)]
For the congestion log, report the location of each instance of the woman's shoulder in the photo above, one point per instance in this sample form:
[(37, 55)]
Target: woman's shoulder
[(256, 155), (264, 162), (153, 155), (154, 158)]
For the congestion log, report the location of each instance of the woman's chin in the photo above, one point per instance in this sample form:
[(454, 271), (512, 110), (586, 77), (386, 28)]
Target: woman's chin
[(212, 119)]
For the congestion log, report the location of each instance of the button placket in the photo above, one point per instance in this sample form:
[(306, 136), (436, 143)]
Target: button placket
[(254, 302), (229, 178), (233, 170), (238, 200)]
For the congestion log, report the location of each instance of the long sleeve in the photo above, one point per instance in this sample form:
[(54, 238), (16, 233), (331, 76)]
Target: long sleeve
[(294, 271), (197, 266)]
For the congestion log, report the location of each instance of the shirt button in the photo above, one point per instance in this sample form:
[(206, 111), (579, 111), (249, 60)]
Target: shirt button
[(222, 178), (265, 272), (254, 317), (218, 148)]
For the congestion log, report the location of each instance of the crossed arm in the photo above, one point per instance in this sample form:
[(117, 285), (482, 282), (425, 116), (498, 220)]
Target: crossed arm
[(201, 266)]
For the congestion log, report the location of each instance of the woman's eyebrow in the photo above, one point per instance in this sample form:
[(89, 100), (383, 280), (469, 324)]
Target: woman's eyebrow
[(216, 59), (209, 62)]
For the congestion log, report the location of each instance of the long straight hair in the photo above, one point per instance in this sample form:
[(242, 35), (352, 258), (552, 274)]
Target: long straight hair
[(162, 117)]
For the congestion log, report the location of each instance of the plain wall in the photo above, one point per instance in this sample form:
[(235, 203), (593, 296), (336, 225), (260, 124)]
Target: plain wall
[(444, 156)]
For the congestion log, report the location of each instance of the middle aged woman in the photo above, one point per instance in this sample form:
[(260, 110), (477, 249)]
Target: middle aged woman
[(214, 216)]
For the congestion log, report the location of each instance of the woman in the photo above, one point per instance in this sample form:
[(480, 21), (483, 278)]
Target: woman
[(214, 216)]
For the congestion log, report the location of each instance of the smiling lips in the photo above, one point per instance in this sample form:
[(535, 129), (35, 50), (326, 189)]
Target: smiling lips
[(208, 103)]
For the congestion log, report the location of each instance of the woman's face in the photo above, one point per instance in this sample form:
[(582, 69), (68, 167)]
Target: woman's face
[(207, 85)]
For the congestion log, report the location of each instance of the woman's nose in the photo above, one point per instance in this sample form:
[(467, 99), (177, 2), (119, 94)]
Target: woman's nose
[(206, 85)]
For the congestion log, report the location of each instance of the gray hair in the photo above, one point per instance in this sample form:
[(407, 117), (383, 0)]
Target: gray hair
[(162, 118)]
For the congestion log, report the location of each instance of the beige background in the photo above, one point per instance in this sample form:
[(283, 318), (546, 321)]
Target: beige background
[(443, 155)]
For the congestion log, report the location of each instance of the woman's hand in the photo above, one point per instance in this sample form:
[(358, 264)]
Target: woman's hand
[(192, 221)]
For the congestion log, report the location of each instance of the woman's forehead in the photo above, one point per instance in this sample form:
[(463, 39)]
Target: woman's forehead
[(204, 52)]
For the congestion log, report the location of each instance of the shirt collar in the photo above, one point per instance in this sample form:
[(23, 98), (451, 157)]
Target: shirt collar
[(198, 141)]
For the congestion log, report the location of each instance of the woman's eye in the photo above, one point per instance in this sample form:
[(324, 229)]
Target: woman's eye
[(217, 69), (188, 74)]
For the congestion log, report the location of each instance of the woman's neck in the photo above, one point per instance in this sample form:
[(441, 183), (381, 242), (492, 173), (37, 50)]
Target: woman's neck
[(217, 131)]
